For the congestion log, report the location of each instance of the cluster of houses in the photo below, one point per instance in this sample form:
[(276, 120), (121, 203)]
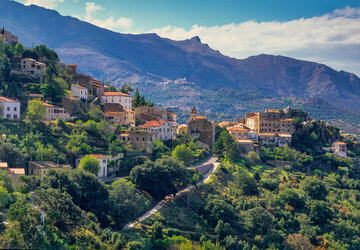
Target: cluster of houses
[(145, 124)]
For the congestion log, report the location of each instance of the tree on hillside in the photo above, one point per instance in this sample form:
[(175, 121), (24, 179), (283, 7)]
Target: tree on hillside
[(183, 153), (95, 113), (36, 111), (258, 220), (10, 154), (140, 100), (315, 189), (90, 164), (126, 88), (246, 184), (225, 147)]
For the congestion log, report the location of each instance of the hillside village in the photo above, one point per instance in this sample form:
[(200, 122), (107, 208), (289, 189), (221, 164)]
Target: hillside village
[(56, 120)]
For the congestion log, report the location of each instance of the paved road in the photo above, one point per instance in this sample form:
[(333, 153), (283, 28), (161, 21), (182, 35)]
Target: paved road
[(188, 188)]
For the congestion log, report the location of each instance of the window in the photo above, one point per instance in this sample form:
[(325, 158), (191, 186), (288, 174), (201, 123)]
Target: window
[(8, 116), (15, 116), (32, 171), (143, 139), (15, 108), (137, 138), (104, 161), (8, 108), (44, 172)]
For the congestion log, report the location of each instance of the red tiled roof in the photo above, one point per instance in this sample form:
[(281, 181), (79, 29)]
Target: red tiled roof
[(201, 117), (340, 143), (78, 86), (5, 99), (152, 124), (237, 129), (115, 94)]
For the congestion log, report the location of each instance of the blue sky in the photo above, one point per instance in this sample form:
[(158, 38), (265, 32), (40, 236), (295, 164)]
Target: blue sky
[(325, 31)]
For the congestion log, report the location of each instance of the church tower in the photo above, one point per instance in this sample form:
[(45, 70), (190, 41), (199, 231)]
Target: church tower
[(193, 113)]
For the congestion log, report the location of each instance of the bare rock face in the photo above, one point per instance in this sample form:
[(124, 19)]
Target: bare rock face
[(130, 58)]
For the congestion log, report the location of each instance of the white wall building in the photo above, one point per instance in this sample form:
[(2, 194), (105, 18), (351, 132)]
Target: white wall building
[(79, 91), (103, 173), (117, 97), (340, 149), (9, 108), (55, 112), (161, 130)]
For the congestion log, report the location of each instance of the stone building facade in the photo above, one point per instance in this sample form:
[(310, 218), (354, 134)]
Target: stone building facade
[(201, 128)]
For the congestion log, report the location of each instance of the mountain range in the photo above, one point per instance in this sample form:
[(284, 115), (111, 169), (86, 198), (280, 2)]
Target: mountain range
[(152, 63)]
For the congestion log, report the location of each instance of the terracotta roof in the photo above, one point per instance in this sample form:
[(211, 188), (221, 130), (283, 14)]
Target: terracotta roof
[(152, 124), (115, 94), (340, 143), (285, 135), (172, 113), (78, 86), (267, 134), (201, 117), (129, 110), (237, 129), (16, 171), (36, 95), (124, 134), (5, 99), (272, 111), (99, 156), (245, 141), (114, 112), (72, 65), (50, 105), (288, 119)]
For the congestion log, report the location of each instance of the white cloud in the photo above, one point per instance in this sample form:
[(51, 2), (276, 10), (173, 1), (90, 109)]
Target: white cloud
[(44, 3), (330, 32), (119, 24)]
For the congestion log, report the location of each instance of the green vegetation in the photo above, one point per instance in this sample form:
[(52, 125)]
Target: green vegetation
[(90, 164)]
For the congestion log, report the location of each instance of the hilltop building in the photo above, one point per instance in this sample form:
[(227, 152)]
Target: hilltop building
[(139, 139), (42, 168), (160, 130), (146, 114), (270, 121), (201, 128), (340, 149), (9, 108), (117, 97), (34, 68), (239, 133), (96, 88), (8, 37), (103, 159), (55, 112), (79, 91)]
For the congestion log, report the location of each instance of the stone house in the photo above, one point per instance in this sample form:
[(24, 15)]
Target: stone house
[(139, 139), (275, 139), (33, 67), (8, 37), (9, 108), (161, 130), (339, 149), (42, 168), (239, 133), (201, 128), (122, 118), (245, 146)]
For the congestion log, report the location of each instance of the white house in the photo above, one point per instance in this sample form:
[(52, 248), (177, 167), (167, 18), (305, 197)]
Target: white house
[(79, 91), (117, 97), (55, 112), (9, 108), (160, 130), (103, 173)]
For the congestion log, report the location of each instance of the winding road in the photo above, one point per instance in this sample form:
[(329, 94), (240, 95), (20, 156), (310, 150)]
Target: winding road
[(212, 160)]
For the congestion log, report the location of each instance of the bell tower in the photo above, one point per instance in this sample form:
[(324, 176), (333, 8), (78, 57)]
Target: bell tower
[(193, 113)]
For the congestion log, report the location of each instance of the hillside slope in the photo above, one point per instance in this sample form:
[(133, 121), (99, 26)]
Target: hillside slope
[(123, 58)]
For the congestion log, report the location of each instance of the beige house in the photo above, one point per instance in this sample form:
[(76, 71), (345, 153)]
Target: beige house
[(239, 133), (139, 139), (160, 130), (146, 114), (42, 168), (339, 149), (270, 121), (9, 108), (79, 91), (55, 112), (117, 97), (33, 67), (8, 37), (122, 118)]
